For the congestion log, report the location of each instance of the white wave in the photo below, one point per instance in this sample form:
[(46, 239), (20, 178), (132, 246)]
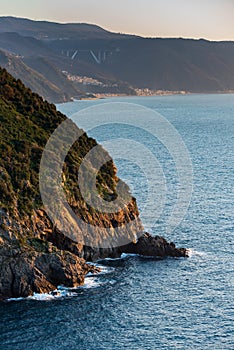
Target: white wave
[(92, 263), (61, 291), (46, 296), (91, 282), (105, 270), (15, 299), (193, 252), (94, 282), (123, 256)]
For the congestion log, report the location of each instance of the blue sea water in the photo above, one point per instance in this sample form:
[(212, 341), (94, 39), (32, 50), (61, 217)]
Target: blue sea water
[(138, 303)]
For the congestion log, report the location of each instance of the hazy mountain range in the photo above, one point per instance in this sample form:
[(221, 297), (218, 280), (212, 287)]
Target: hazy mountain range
[(45, 54)]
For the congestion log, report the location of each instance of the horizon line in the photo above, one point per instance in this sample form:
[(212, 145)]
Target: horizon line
[(115, 32)]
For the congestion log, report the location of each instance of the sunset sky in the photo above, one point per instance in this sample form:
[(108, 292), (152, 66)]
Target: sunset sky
[(209, 19)]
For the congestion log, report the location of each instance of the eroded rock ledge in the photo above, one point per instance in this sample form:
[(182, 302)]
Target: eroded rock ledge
[(26, 272), (147, 245), (37, 262)]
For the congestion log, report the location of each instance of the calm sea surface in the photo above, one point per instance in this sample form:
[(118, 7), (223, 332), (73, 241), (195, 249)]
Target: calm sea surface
[(149, 304)]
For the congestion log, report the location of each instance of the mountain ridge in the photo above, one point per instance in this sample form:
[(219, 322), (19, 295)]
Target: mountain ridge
[(35, 25), (128, 62), (97, 27)]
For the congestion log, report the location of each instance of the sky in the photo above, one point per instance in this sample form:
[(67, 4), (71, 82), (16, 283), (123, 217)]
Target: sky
[(208, 19)]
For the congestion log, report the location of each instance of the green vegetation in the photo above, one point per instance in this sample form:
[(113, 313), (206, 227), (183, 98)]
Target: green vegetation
[(26, 123), (39, 245)]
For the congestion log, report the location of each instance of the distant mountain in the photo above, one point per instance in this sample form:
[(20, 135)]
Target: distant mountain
[(49, 30), (126, 61), (175, 64)]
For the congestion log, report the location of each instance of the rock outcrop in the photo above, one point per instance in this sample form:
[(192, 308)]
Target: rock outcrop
[(24, 272), (36, 258), (154, 246), (31, 265)]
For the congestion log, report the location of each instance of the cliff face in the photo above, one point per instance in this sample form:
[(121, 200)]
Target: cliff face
[(29, 265), (35, 255)]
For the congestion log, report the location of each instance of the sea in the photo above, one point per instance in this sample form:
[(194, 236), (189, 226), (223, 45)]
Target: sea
[(141, 303)]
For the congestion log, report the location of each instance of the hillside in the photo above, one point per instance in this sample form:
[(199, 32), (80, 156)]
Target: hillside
[(176, 64), (158, 64), (129, 62), (41, 76), (37, 254), (26, 124), (19, 45)]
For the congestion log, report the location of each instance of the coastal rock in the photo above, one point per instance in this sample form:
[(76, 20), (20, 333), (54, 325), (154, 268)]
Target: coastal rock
[(39, 263), (26, 272), (154, 246), (146, 245)]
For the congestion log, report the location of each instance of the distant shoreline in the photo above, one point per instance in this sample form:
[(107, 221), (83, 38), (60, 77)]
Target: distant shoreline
[(165, 93)]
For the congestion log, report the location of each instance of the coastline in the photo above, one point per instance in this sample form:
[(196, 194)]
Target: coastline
[(163, 94), (151, 93)]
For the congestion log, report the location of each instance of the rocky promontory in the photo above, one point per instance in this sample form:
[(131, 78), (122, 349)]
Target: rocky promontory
[(154, 246), (35, 254)]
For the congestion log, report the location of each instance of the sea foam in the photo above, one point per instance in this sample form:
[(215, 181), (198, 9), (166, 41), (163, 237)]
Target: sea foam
[(193, 252)]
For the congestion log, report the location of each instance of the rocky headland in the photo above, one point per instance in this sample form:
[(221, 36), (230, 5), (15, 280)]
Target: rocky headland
[(35, 255)]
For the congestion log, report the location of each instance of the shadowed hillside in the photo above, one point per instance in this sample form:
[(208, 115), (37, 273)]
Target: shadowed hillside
[(46, 79), (128, 62)]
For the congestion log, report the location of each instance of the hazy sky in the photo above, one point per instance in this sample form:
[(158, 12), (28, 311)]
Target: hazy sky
[(211, 19)]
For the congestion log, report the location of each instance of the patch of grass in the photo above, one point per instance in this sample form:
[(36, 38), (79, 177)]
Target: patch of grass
[(39, 245)]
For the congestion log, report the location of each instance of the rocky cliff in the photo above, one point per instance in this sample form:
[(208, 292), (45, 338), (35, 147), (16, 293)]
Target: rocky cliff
[(35, 254)]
